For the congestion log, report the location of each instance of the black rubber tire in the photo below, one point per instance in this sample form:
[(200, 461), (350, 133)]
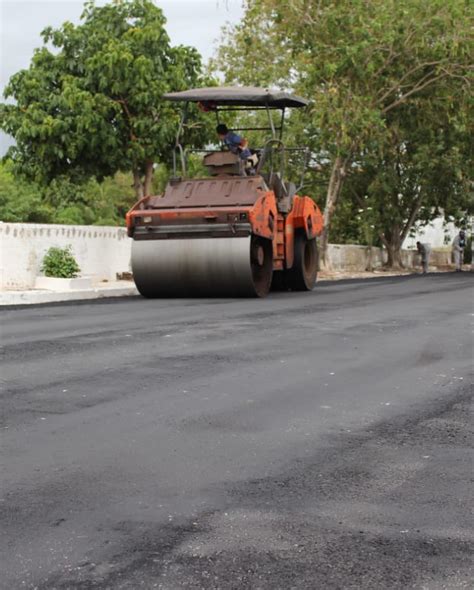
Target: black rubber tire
[(279, 281), (262, 274), (304, 272)]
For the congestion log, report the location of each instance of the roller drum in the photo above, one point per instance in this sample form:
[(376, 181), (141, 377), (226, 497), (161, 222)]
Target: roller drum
[(194, 267)]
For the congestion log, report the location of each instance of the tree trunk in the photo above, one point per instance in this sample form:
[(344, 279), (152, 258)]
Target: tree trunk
[(394, 257), (138, 185), (148, 178), (336, 181), (394, 239), (142, 184), (393, 246), (369, 267)]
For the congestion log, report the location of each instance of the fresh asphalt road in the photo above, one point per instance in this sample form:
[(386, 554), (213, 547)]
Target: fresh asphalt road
[(312, 440)]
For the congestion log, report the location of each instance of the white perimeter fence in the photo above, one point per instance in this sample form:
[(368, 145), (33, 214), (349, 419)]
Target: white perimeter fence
[(102, 252)]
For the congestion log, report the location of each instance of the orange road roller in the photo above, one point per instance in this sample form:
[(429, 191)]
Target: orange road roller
[(239, 232)]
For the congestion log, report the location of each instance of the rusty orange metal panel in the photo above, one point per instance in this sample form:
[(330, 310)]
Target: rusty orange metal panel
[(306, 215), (279, 240), (263, 216), (209, 192), (289, 242)]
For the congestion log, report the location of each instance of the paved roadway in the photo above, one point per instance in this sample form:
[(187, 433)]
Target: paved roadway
[(319, 441)]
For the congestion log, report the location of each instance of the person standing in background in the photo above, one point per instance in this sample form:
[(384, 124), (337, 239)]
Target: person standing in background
[(424, 250), (459, 243)]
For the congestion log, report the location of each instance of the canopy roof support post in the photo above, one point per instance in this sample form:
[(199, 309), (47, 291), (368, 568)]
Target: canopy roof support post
[(178, 147), (272, 126), (282, 122)]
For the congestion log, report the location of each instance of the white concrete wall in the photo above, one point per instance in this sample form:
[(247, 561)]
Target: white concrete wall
[(100, 251), (356, 258), (353, 257)]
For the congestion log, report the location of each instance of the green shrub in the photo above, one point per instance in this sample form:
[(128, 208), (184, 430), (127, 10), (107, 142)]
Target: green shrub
[(60, 262)]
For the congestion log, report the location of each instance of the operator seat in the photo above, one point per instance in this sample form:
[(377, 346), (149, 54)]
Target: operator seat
[(223, 162)]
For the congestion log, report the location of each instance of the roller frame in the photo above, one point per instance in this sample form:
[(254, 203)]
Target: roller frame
[(203, 245)]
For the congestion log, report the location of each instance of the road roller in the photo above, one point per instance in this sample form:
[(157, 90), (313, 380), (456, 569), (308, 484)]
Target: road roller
[(240, 231)]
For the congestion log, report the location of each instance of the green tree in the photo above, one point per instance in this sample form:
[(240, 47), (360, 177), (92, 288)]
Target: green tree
[(21, 200), (358, 61), (90, 202), (63, 201), (421, 171), (92, 104)]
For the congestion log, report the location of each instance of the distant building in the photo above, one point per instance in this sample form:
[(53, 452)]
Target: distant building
[(437, 234)]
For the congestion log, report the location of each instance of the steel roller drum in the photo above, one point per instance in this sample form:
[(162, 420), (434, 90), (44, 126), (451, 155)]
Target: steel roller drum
[(193, 267)]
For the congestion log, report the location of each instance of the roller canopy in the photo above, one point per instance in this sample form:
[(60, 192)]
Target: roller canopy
[(248, 96)]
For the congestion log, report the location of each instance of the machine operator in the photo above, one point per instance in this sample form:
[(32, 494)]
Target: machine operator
[(237, 145)]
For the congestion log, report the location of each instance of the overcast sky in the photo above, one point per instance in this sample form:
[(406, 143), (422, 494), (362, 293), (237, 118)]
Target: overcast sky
[(190, 22)]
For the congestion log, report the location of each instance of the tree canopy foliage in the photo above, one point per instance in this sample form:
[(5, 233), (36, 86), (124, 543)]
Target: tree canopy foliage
[(369, 68), (421, 170), (90, 104), (63, 201)]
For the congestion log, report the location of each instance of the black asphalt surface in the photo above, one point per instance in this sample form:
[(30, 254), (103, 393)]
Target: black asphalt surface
[(318, 441)]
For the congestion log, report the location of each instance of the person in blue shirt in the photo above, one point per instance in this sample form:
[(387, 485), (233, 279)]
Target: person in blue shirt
[(234, 142)]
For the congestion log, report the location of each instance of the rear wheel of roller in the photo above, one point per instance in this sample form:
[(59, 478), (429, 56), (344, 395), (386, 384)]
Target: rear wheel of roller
[(302, 275), (279, 281), (261, 260)]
